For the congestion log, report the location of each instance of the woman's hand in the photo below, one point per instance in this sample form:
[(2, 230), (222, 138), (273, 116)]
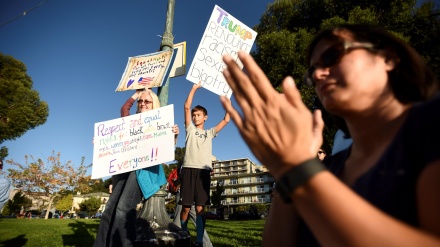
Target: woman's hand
[(278, 128), (176, 132), (176, 129)]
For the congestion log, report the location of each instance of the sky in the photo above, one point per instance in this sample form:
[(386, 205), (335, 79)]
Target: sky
[(76, 52)]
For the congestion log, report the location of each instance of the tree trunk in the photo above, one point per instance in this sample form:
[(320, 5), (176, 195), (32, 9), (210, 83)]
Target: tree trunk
[(49, 206)]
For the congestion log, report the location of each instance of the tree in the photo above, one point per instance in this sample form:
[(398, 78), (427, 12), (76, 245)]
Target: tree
[(90, 205), (3, 153), (288, 26), (97, 185), (64, 204), (217, 197), (20, 106), (18, 201), (49, 179)]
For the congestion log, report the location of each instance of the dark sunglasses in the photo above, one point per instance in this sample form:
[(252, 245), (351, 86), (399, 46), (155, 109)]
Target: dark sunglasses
[(332, 56), (144, 101)]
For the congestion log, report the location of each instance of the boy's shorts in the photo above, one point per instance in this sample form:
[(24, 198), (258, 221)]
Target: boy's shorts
[(194, 187)]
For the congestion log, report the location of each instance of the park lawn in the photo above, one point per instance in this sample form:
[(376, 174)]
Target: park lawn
[(82, 232)]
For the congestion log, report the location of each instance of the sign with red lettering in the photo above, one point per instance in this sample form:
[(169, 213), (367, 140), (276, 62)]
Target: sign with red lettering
[(150, 70), (223, 35), (133, 142)]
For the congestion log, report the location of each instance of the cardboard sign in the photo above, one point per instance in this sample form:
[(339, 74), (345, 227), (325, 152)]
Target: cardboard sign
[(133, 142), (150, 70), (224, 34)]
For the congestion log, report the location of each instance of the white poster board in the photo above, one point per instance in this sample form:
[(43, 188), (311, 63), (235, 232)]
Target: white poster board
[(150, 70), (224, 34), (133, 142), (179, 66)]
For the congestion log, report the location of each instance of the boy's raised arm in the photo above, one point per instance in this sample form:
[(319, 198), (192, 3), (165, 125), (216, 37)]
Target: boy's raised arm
[(223, 122), (188, 102)]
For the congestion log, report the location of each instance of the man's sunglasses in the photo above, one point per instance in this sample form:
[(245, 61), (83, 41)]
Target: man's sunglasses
[(332, 56), (144, 101)]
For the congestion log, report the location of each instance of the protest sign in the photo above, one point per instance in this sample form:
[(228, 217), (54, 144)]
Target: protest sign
[(150, 70), (224, 34), (133, 142)]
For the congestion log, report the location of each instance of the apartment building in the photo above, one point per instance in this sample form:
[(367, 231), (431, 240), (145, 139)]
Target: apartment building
[(244, 182), (78, 198)]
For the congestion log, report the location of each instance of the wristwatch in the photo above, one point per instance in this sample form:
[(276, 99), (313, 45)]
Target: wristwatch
[(298, 176)]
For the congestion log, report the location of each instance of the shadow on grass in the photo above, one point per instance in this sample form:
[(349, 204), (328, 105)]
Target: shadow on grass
[(16, 242), (81, 235)]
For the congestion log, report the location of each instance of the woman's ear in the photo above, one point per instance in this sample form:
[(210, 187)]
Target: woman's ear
[(391, 60)]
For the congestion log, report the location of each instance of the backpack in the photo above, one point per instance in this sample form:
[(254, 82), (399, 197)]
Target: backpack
[(173, 181)]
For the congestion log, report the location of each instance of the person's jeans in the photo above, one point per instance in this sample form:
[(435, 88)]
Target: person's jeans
[(117, 227), (192, 216)]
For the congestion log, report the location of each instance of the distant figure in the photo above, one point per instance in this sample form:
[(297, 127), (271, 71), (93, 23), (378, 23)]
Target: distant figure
[(110, 188), (321, 154)]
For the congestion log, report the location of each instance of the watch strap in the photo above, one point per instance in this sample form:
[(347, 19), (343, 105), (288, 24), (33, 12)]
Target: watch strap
[(297, 176)]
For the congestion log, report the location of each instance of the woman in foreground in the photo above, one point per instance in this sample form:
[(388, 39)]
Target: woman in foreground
[(382, 191)]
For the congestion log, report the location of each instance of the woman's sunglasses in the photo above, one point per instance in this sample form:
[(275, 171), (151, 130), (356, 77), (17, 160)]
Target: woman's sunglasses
[(144, 101), (332, 56)]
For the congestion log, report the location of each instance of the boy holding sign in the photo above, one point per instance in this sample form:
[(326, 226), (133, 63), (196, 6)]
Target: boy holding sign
[(195, 176)]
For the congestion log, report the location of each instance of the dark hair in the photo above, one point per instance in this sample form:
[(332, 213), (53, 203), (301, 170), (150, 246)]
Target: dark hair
[(410, 81), (200, 108)]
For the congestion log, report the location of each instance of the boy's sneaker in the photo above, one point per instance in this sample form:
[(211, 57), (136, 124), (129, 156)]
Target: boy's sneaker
[(197, 245)]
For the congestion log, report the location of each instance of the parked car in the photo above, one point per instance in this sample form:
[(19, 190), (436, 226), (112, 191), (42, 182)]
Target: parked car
[(98, 215), (240, 215), (83, 216), (211, 216)]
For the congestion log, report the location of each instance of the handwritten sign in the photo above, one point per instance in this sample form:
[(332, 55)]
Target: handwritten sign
[(223, 35), (149, 70), (133, 142)]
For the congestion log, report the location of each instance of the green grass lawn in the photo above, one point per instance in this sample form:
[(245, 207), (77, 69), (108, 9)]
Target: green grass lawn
[(82, 232)]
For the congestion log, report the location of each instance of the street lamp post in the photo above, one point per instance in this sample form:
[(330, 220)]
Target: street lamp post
[(166, 45), (153, 225)]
